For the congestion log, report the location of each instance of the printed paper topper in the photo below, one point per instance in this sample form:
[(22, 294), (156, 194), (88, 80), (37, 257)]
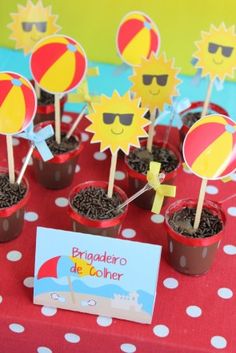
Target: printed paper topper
[(58, 64), (210, 147), (18, 103), (117, 123), (155, 81), (32, 23), (216, 52), (137, 38)]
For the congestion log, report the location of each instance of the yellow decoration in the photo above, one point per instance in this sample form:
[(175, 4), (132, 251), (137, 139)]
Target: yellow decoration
[(32, 23), (155, 82), (161, 190), (216, 52), (117, 123)]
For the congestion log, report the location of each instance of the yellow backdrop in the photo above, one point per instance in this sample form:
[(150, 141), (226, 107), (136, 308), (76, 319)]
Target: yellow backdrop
[(94, 23)]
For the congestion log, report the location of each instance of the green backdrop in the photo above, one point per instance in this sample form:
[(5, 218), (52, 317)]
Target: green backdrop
[(94, 23)]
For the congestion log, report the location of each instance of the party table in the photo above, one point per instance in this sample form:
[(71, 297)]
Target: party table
[(192, 314)]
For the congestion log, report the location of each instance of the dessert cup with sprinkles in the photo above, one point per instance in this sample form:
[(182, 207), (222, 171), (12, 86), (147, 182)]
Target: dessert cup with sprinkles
[(93, 212)]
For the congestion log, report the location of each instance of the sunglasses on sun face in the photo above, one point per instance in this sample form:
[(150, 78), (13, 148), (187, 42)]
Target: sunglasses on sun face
[(40, 26), (125, 119), (161, 80), (225, 51)]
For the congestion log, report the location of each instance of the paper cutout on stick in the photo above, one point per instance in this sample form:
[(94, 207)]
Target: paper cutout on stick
[(58, 64), (31, 23), (216, 52), (137, 37), (155, 81), (18, 103), (117, 123), (209, 148)]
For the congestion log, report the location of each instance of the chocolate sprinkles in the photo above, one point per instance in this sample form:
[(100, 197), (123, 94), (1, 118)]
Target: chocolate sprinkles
[(10, 194)]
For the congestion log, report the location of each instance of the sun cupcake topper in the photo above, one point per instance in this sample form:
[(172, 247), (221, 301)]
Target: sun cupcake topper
[(117, 123), (32, 23)]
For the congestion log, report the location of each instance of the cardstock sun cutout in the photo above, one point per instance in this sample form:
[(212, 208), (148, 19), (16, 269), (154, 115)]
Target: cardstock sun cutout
[(155, 81), (32, 23), (117, 123), (216, 52)]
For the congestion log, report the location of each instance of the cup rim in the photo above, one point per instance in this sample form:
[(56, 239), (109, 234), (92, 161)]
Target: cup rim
[(190, 241), (91, 222)]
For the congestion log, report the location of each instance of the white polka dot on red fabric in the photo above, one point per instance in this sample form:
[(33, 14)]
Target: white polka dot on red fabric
[(128, 348), (44, 349), (119, 175), (218, 342), (16, 328), (14, 255), (100, 156), (47, 311), (72, 338), (31, 216), (15, 141), (225, 293), (232, 211), (104, 321), (66, 119), (84, 136), (230, 249), (194, 311), (233, 176), (30, 161), (161, 330), (157, 218), (212, 190), (1, 299), (29, 282), (128, 233), (170, 283), (61, 202), (77, 168)]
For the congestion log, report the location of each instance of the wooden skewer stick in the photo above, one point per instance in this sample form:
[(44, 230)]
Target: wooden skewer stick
[(200, 204), (151, 130), (57, 119), (26, 162), (207, 100), (76, 122), (112, 175), (10, 158)]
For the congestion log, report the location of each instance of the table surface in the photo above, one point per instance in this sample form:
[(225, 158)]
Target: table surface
[(192, 314)]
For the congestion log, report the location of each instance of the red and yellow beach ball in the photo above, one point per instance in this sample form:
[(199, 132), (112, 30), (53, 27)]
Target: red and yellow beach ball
[(209, 148), (137, 38), (58, 64), (18, 103)]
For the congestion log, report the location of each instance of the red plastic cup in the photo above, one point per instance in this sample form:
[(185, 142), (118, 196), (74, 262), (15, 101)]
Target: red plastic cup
[(192, 256), (138, 180), (107, 227), (197, 107), (58, 172), (12, 218)]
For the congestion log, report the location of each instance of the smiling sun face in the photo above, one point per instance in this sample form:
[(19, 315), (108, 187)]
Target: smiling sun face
[(31, 23), (117, 123), (216, 52), (155, 82)]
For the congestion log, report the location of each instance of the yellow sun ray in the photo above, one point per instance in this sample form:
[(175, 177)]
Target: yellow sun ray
[(120, 131), (32, 23), (216, 52), (155, 81)]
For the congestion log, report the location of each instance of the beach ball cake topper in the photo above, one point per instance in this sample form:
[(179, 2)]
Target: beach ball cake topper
[(18, 103), (58, 64), (137, 37), (155, 81), (117, 123), (209, 148), (216, 52), (31, 23)]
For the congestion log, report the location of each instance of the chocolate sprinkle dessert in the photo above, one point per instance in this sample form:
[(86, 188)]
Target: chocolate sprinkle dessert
[(94, 203), (66, 145), (45, 98), (10, 194), (182, 222), (190, 118), (139, 159)]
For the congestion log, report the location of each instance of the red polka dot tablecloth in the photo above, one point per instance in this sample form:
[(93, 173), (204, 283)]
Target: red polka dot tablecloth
[(192, 314)]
